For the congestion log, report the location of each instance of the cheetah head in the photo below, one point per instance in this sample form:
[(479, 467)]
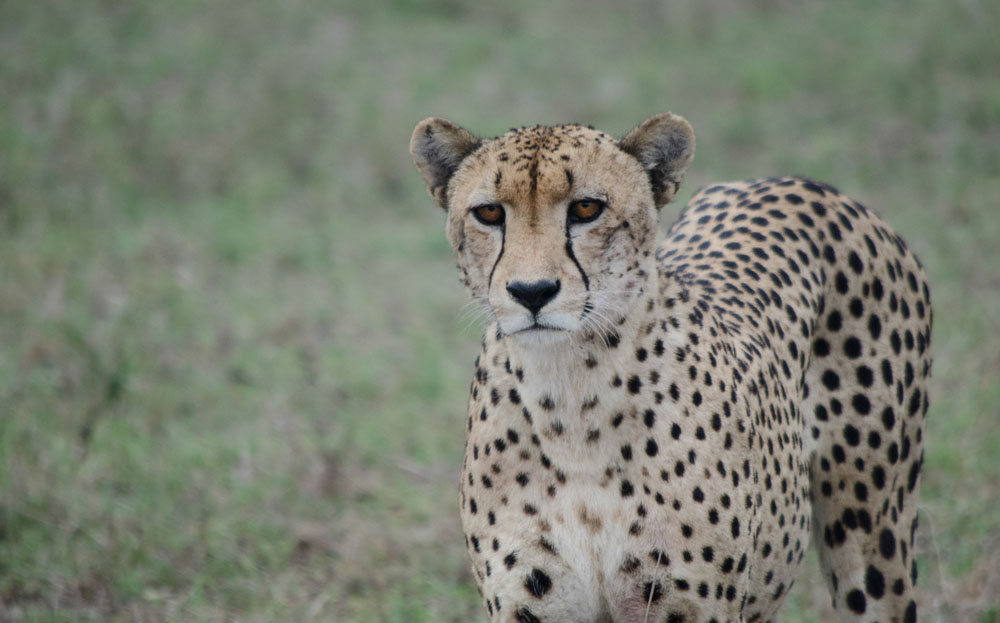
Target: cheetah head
[(554, 227)]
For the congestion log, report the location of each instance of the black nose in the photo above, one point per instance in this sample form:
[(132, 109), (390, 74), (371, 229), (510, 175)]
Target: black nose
[(533, 295)]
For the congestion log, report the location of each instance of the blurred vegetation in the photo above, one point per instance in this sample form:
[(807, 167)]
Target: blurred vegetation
[(233, 360)]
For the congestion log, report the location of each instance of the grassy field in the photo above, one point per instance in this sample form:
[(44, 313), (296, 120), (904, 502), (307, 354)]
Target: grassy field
[(233, 359)]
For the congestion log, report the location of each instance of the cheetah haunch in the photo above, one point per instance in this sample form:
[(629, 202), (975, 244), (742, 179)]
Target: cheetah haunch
[(654, 433)]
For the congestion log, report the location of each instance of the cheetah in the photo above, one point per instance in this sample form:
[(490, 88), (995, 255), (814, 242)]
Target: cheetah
[(656, 431)]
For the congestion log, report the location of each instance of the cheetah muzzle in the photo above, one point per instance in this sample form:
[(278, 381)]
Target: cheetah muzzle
[(655, 432)]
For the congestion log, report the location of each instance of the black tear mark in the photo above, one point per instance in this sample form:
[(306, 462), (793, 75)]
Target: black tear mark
[(572, 256), (569, 177), (503, 241)]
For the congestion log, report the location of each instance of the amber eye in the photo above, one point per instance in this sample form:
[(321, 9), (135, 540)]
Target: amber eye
[(490, 214), (585, 210)]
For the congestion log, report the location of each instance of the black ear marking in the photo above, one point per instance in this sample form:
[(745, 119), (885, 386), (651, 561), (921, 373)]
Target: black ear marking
[(438, 147), (664, 146)]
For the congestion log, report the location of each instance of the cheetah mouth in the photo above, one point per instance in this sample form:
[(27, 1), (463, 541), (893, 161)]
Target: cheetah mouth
[(537, 327)]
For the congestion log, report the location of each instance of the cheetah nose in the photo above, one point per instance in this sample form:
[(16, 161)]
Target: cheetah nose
[(534, 295)]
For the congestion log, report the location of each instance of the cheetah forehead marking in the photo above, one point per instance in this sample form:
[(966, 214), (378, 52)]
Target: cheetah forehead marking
[(757, 380)]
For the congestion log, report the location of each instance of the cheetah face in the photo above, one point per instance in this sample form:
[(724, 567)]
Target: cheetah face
[(554, 227)]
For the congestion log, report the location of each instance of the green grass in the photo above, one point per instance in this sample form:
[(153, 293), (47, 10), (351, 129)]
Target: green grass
[(233, 356)]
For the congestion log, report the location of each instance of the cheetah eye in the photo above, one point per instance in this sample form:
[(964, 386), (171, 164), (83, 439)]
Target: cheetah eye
[(585, 210), (491, 214)]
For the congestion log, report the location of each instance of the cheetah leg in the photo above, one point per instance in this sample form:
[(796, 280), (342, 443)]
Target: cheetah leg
[(866, 389), (864, 536)]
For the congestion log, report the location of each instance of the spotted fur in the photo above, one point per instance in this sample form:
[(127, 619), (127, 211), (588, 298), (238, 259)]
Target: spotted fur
[(659, 439)]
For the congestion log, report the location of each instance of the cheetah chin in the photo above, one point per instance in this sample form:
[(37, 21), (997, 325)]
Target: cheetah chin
[(656, 431)]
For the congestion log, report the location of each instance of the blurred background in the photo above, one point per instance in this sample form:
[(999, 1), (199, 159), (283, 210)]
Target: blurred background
[(233, 356)]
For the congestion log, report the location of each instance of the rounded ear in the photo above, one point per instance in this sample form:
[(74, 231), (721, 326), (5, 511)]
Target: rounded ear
[(438, 146), (664, 146)]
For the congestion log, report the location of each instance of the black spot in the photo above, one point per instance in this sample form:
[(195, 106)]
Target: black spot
[(865, 520), (834, 321), (510, 560), (857, 307), (874, 326), (856, 601), (634, 384), (910, 616), (630, 564), (538, 583), (838, 453), (675, 617), (649, 418), (913, 475), (850, 519), (525, 616), (895, 341), (878, 291), (861, 404), (840, 281), (821, 347), (851, 435), (888, 418), (898, 587), (652, 591), (831, 380), (874, 582), (855, 262), (627, 489), (675, 431), (627, 452), (651, 447), (852, 347), (914, 405), (861, 491)]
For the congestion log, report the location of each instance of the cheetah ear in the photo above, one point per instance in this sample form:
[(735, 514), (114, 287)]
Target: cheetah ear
[(664, 146), (438, 146)]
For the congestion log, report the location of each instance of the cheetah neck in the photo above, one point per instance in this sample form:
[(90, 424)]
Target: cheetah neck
[(575, 387)]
